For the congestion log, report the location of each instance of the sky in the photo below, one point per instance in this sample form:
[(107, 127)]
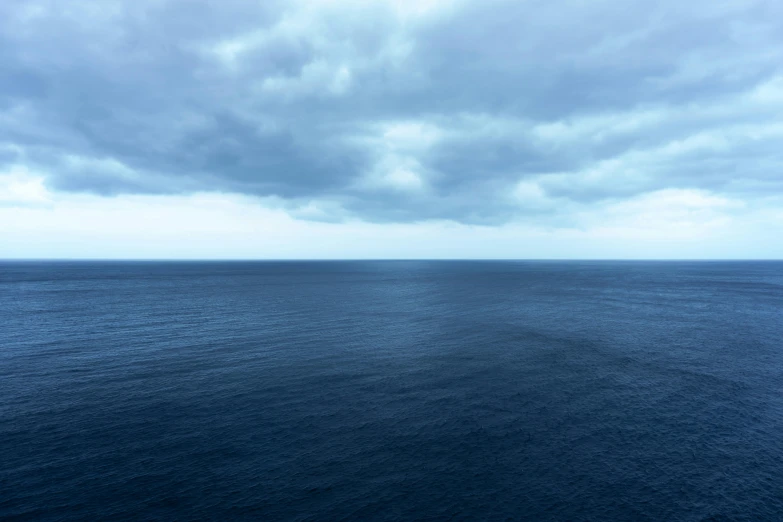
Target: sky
[(430, 129)]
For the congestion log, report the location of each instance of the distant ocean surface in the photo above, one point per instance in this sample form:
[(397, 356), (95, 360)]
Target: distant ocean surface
[(392, 390)]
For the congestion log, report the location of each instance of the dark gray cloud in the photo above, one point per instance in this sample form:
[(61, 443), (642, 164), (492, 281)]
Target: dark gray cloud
[(387, 111)]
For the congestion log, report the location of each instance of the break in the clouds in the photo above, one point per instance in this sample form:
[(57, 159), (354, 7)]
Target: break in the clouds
[(476, 112)]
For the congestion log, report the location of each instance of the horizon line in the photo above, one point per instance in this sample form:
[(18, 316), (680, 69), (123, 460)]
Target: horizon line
[(303, 259)]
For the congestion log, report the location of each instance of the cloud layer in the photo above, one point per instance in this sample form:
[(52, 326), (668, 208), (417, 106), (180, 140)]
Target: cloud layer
[(483, 112)]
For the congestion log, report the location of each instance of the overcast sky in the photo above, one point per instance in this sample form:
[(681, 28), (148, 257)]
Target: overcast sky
[(391, 129)]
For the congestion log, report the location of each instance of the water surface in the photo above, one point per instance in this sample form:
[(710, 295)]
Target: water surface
[(391, 390)]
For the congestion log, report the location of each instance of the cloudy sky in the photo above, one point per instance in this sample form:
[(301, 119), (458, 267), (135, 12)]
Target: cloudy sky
[(391, 129)]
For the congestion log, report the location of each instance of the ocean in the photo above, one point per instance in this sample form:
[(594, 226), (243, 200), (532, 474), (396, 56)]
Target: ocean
[(391, 390)]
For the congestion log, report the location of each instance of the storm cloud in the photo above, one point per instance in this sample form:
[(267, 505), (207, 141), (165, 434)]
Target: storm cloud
[(397, 111)]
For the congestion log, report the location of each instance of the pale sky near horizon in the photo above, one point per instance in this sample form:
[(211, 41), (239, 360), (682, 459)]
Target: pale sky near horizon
[(391, 129)]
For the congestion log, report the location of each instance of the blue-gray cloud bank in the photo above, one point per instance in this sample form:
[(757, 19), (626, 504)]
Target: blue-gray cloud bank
[(477, 112)]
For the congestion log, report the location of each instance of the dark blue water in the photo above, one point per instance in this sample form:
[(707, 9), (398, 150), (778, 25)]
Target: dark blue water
[(391, 391)]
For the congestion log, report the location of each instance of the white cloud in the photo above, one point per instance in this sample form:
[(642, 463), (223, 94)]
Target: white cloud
[(395, 172), (20, 187), (666, 224), (398, 148), (403, 179), (409, 135), (529, 195), (666, 214)]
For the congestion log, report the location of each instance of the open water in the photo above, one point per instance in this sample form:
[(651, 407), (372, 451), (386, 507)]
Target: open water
[(391, 390)]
